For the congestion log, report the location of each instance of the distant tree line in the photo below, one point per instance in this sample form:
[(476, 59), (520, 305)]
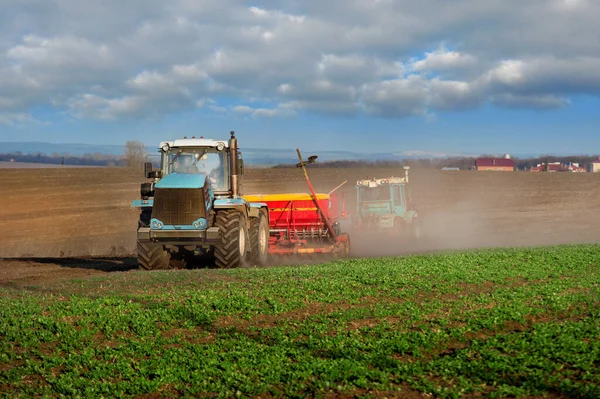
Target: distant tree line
[(89, 159), (463, 163), (134, 156)]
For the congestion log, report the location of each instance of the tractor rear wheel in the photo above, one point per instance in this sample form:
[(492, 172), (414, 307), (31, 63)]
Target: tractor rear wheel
[(259, 241), (231, 251), (415, 228), (153, 256)]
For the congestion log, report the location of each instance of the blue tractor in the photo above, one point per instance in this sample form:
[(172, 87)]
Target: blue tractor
[(385, 206), (192, 210)]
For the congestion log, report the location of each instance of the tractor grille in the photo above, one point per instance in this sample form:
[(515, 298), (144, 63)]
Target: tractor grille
[(178, 206)]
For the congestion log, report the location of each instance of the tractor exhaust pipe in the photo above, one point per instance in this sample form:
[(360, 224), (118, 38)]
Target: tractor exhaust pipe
[(233, 165)]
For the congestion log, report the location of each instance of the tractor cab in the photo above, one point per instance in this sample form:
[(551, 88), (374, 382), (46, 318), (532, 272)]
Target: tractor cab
[(217, 161), (384, 202)]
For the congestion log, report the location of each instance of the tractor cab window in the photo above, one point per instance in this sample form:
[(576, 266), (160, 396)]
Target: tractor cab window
[(209, 162), (398, 195), (381, 193)]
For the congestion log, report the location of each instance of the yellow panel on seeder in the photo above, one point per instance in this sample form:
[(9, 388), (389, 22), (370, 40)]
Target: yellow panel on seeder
[(284, 197)]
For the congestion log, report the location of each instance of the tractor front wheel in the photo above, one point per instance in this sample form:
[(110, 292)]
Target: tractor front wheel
[(231, 251), (153, 256), (259, 241)]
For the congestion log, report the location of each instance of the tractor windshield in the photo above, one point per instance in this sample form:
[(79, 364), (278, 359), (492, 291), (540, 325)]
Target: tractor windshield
[(207, 161), (381, 193)]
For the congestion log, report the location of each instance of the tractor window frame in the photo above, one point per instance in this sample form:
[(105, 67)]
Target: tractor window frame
[(399, 195), (374, 194), (220, 178)]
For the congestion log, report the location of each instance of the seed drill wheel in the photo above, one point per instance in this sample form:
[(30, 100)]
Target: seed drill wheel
[(415, 228), (346, 252), (231, 251), (259, 241)]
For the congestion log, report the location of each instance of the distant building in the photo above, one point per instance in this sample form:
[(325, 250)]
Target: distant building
[(505, 164), (450, 168), (574, 167), (550, 167), (557, 167), (594, 166)]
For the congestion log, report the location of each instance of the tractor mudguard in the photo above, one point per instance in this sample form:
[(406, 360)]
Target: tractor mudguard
[(142, 203)]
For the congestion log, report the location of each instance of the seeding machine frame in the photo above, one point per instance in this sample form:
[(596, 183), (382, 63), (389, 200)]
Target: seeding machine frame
[(302, 224)]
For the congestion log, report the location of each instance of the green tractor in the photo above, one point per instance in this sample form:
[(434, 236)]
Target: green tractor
[(385, 206), (192, 210)]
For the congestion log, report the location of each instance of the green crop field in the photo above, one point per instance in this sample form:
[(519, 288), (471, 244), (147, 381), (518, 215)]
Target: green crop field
[(487, 323)]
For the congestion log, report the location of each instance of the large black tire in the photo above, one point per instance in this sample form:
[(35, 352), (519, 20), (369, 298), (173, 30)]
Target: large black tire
[(231, 251), (259, 241), (152, 256)]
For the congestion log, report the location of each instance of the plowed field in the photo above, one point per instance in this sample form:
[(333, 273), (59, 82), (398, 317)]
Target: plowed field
[(64, 215)]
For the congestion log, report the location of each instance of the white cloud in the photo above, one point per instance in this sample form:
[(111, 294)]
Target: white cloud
[(509, 72), (150, 81), (17, 119), (384, 58), (96, 107), (528, 101), (64, 51), (442, 60), (397, 98), (283, 110), (272, 112), (454, 95), (242, 109)]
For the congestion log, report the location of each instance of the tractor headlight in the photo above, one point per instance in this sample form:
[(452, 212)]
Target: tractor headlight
[(220, 146), (165, 147)]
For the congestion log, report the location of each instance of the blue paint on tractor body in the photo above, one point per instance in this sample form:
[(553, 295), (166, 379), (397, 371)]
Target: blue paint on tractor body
[(221, 203), (197, 181), (142, 203), (200, 224), (257, 205)]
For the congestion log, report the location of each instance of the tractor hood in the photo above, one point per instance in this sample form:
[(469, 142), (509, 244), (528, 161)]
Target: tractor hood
[(377, 207), (182, 180)]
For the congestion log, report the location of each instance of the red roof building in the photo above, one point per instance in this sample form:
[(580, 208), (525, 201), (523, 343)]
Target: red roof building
[(558, 167), (495, 164)]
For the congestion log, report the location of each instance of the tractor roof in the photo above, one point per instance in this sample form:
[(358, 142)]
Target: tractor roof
[(194, 142), (381, 182)]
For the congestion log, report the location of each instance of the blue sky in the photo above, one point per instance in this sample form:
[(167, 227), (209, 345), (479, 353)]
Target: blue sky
[(440, 78)]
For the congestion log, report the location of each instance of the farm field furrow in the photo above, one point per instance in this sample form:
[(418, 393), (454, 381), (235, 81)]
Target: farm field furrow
[(86, 211), (482, 323)]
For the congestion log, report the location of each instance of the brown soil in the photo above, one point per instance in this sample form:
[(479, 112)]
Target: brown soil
[(77, 222)]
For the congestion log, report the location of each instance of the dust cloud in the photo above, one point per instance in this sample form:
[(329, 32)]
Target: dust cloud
[(468, 209)]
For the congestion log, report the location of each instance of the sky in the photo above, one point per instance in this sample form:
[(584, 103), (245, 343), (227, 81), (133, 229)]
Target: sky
[(413, 77)]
